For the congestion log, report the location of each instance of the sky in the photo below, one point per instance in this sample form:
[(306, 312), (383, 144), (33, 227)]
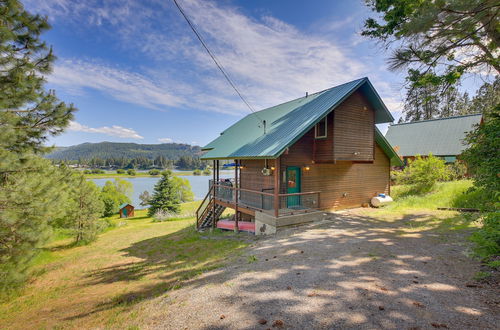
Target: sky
[(137, 73)]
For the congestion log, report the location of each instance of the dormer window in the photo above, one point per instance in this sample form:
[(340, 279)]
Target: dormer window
[(320, 130)]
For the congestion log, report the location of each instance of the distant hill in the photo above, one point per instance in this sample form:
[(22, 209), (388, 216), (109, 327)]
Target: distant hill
[(108, 150)]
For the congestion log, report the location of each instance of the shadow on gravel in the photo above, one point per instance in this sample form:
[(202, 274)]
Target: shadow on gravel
[(351, 272), (359, 272)]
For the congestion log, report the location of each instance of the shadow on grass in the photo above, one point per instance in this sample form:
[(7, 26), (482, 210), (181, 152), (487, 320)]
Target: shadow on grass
[(166, 262), (360, 270)]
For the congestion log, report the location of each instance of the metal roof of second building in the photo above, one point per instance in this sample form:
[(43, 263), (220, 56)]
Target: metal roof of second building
[(287, 122), (441, 137)]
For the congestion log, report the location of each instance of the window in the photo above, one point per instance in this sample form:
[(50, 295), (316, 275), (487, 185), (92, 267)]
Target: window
[(320, 130)]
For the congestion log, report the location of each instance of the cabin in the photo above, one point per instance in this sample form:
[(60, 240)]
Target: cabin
[(298, 159), (126, 210), (441, 137)]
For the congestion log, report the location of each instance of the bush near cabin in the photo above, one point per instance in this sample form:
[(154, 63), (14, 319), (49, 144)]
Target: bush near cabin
[(422, 173)]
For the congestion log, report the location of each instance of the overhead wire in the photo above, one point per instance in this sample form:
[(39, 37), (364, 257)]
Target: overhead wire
[(217, 63)]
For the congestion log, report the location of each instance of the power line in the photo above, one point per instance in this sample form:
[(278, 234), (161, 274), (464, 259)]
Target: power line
[(219, 65)]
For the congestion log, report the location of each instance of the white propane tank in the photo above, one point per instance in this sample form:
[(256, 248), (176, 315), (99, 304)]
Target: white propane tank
[(381, 200)]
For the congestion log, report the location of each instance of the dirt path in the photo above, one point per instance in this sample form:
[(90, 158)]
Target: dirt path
[(351, 271)]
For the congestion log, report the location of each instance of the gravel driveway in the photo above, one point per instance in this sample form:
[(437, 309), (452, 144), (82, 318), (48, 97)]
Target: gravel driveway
[(350, 271)]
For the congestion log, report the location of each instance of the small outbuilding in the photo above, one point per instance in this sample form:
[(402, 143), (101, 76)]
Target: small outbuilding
[(126, 210)]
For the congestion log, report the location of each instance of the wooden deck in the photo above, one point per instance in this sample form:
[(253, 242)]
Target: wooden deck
[(242, 225)]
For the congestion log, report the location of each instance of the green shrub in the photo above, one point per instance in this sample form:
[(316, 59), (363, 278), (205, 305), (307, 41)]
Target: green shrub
[(197, 172), (131, 172), (105, 224), (113, 194), (154, 172), (483, 155), (457, 170), (422, 173), (87, 171), (97, 171), (207, 171), (487, 239), (476, 198), (120, 171)]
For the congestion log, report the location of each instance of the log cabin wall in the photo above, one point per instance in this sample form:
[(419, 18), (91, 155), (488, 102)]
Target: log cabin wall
[(354, 129)]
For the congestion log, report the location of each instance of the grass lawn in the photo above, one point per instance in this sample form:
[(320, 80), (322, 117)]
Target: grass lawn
[(445, 194), (105, 284), (423, 212)]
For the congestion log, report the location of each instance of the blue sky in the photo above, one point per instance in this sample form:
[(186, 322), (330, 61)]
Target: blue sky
[(137, 74)]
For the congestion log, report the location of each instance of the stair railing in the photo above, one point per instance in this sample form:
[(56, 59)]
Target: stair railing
[(204, 207)]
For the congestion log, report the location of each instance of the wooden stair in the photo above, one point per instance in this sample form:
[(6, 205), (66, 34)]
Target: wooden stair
[(210, 216), (208, 212)]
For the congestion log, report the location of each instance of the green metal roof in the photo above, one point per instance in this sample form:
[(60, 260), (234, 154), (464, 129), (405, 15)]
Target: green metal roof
[(387, 148), (441, 137), (288, 122)]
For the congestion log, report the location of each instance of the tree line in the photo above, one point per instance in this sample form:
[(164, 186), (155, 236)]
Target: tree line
[(428, 101), (140, 163), (105, 150)]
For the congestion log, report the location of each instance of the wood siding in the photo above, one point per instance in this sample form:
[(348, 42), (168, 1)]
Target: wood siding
[(354, 129), (253, 179), (343, 178), (323, 147), (343, 184)]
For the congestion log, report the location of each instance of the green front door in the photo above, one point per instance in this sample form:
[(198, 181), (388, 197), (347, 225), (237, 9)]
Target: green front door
[(293, 186)]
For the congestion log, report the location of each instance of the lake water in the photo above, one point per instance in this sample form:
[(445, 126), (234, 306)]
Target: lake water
[(199, 184)]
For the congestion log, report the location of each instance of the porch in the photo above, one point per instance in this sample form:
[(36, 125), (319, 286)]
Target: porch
[(264, 210)]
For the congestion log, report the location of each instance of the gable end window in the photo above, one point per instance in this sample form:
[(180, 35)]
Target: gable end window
[(320, 130)]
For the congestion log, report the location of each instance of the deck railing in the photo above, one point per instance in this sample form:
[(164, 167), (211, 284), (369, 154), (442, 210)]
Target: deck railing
[(263, 201)]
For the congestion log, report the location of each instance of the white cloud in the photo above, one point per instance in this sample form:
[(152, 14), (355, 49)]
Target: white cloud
[(76, 75), (117, 131), (165, 140), (271, 61)]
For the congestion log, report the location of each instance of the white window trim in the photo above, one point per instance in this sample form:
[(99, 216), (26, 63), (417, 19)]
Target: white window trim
[(316, 136)]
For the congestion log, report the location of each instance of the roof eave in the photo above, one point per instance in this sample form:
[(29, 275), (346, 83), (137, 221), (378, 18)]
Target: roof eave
[(381, 103)]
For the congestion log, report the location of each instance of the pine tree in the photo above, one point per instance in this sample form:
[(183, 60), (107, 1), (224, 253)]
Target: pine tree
[(422, 102), (84, 209), (487, 98), (440, 40), (29, 187), (165, 196)]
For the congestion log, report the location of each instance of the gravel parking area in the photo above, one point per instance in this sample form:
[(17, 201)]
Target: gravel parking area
[(348, 271)]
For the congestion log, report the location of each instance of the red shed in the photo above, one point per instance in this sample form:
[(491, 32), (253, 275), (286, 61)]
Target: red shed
[(126, 210)]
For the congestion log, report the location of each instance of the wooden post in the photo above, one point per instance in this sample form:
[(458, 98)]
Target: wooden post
[(218, 174), (236, 185), (214, 182), (277, 172)]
